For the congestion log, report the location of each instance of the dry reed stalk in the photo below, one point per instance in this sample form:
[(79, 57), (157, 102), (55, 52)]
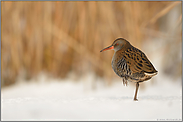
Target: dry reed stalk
[(47, 37), (75, 45), (162, 13)]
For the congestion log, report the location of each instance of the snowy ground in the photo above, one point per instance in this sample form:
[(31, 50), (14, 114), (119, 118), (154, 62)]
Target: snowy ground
[(76, 101)]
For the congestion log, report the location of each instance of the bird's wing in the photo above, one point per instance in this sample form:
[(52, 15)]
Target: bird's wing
[(138, 61)]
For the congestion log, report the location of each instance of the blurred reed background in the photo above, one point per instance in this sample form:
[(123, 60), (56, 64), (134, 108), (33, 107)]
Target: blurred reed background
[(62, 37)]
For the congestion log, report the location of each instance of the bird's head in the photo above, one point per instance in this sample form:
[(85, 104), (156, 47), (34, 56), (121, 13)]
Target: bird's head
[(118, 44)]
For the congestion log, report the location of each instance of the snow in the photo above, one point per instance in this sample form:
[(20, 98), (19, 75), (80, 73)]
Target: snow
[(66, 99)]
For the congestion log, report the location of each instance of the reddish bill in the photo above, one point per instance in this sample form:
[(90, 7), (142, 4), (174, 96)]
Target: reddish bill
[(107, 48)]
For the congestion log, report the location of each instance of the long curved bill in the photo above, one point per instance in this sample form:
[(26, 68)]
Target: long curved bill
[(107, 48)]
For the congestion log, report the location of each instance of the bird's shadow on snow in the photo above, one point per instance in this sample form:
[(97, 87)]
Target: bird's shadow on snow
[(152, 97)]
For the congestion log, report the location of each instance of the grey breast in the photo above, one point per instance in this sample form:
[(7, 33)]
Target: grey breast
[(120, 67)]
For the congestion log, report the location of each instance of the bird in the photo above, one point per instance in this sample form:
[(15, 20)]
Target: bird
[(130, 63)]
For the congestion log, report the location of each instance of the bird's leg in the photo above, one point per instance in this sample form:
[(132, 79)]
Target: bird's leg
[(125, 81), (137, 86)]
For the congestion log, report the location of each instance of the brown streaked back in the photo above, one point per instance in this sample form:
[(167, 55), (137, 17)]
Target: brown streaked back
[(137, 61)]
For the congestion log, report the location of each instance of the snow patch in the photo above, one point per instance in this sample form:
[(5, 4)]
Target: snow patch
[(67, 100)]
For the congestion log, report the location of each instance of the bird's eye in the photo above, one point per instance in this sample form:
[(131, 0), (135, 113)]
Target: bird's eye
[(117, 44)]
